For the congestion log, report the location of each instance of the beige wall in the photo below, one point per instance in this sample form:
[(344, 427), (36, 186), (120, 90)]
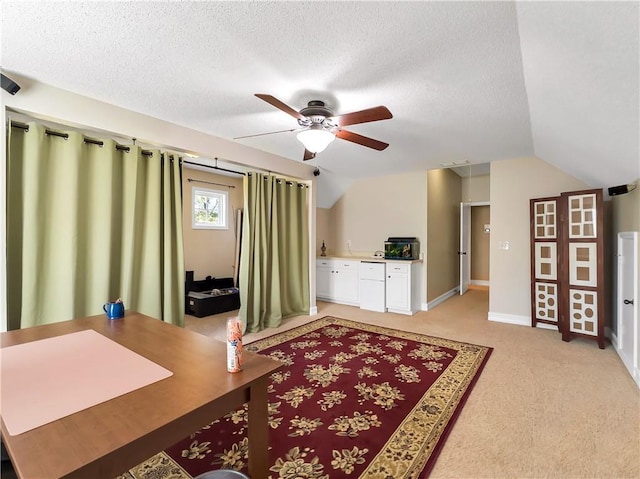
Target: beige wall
[(476, 188), (513, 184), (324, 232), (210, 252), (443, 226), (374, 209), (480, 242), (625, 212)]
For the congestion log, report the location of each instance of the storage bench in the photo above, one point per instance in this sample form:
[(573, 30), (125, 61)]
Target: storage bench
[(216, 301), (210, 296)]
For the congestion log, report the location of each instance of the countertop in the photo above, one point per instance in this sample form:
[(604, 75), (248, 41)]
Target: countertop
[(370, 259)]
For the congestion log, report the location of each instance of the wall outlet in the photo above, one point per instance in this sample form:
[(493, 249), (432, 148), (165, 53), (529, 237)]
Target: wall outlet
[(504, 245), (349, 244)]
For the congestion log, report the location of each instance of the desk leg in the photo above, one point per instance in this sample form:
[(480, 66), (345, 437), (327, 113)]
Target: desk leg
[(258, 430)]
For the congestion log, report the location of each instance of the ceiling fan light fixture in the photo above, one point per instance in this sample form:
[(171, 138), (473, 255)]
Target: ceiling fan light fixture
[(315, 139)]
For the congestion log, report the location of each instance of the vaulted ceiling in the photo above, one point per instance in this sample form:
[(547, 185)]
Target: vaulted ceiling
[(465, 81)]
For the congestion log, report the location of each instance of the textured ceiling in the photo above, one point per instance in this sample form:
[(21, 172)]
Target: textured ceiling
[(475, 81)]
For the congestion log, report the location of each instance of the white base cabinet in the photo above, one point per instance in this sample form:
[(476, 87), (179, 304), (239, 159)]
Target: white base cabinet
[(337, 281), (403, 287)]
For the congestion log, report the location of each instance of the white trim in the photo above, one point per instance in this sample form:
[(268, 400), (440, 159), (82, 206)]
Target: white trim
[(635, 371), (313, 310), (401, 311), (552, 327), (518, 320), (223, 198), (509, 319), (467, 257), (634, 367), (480, 282), (440, 299), (613, 337), (3, 219)]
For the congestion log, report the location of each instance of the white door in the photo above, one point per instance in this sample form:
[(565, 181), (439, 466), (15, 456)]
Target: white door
[(465, 247), (627, 303)]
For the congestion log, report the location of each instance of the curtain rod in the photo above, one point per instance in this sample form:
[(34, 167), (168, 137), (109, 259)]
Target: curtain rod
[(209, 182), (216, 167), (288, 182), (25, 127)]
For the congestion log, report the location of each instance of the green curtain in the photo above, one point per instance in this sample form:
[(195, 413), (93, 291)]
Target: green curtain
[(274, 260), (87, 224)]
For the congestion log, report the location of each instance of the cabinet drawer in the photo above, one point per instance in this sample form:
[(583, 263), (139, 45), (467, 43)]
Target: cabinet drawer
[(341, 264), (398, 268), (324, 263)]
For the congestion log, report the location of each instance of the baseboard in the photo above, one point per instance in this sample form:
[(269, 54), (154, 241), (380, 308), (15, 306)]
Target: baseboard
[(479, 282), (509, 318), (313, 310), (440, 299), (518, 320), (552, 327), (613, 337)]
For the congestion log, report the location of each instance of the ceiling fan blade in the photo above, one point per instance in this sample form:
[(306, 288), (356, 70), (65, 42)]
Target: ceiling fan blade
[(361, 140), (308, 155), (364, 116), (263, 134), (281, 106)]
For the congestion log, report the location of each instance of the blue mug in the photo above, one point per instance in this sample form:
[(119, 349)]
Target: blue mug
[(114, 310)]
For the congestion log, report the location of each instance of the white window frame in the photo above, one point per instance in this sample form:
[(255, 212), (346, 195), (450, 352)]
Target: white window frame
[(222, 197)]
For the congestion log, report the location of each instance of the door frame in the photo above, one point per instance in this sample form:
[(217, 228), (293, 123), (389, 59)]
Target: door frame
[(465, 243), (634, 367)]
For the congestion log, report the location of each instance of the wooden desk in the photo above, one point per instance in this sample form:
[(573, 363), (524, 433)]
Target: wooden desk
[(109, 438)]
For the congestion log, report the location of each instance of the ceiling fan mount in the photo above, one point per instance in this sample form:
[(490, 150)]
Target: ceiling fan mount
[(319, 125), (316, 112)]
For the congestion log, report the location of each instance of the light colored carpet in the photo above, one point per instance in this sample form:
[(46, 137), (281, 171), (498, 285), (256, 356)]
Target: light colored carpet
[(541, 408)]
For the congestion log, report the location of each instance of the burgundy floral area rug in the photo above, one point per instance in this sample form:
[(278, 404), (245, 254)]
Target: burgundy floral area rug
[(353, 401)]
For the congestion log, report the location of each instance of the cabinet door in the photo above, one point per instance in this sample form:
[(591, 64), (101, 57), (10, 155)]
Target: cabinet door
[(323, 282), (545, 250), (583, 305), (346, 283), (397, 291)]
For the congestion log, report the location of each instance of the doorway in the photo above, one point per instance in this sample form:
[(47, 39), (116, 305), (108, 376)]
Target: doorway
[(475, 231)]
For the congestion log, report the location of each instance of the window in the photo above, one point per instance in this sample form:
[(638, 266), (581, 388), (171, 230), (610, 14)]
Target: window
[(209, 209)]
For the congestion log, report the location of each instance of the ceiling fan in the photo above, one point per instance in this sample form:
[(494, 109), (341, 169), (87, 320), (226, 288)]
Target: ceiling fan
[(319, 126)]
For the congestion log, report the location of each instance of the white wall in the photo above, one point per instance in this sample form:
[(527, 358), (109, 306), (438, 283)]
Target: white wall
[(53, 104), (513, 184)]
